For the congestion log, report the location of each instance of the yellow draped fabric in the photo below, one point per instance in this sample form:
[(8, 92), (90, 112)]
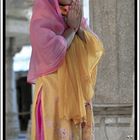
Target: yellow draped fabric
[(74, 81), (77, 77)]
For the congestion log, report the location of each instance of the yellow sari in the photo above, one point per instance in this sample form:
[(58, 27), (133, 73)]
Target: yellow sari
[(66, 95)]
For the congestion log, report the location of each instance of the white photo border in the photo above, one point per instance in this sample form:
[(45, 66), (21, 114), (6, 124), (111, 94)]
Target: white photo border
[(138, 58), (2, 77), (1, 71)]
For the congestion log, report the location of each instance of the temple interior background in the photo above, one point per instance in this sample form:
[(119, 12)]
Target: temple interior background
[(113, 104)]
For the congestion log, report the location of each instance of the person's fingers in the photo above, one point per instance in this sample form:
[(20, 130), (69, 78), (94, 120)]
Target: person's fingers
[(78, 8), (76, 4), (71, 8), (80, 15), (75, 7), (73, 4), (75, 11)]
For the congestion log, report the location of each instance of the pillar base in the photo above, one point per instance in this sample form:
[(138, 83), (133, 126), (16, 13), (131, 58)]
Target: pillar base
[(12, 126)]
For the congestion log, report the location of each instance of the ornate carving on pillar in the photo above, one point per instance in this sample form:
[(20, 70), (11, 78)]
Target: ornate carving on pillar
[(12, 123), (102, 129), (112, 122)]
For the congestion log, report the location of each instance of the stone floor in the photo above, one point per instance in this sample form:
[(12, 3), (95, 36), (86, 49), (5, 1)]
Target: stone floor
[(22, 136)]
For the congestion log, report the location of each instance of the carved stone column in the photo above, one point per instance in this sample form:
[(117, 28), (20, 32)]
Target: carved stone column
[(12, 121), (113, 22)]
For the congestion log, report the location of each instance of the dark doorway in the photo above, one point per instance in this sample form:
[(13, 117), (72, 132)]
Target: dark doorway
[(24, 100)]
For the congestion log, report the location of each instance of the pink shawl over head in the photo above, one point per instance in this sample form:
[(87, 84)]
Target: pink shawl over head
[(48, 45)]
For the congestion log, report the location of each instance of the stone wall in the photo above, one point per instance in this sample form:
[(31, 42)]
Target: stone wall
[(113, 22), (113, 122), (12, 122)]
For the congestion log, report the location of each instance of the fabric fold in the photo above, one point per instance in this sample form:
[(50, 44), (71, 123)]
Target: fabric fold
[(48, 51), (77, 75), (48, 45), (76, 66)]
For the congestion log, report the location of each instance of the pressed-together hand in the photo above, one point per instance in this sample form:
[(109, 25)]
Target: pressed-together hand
[(73, 20), (74, 15)]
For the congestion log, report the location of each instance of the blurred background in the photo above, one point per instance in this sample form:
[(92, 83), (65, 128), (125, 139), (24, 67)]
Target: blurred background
[(113, 105)]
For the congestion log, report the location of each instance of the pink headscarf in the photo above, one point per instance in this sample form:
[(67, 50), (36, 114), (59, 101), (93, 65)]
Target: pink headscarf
[(48, 45)]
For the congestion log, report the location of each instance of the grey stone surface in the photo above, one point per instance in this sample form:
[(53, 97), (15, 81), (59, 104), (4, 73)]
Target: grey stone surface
[(124, 120), (112, 21), (112, 109), (125, 45), (12, 122), (112, 127), (111, 130), (110, 120), (112, 133)]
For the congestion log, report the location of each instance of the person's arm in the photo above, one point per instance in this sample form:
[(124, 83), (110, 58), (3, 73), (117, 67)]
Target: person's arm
[(69, 35), (81, 34), (73, 21)]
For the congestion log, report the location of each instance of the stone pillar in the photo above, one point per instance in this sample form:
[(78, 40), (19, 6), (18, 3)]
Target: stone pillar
[(33, 89), (113, 22), (12, 121)]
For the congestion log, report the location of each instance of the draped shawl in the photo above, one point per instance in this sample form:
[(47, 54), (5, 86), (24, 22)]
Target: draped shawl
[(76, 66)]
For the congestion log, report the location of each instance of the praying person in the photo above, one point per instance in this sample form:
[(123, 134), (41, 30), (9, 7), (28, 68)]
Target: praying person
[(63, 67)]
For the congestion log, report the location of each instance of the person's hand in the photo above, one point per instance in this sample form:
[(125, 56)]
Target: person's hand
[(74, 15), (80, 33)]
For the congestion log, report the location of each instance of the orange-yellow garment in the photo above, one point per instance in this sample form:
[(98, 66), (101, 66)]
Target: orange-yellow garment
[(75, 77), (65, 93), (53, 127)]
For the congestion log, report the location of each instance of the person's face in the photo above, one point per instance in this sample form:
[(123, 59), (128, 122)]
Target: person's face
[(65, 2)]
